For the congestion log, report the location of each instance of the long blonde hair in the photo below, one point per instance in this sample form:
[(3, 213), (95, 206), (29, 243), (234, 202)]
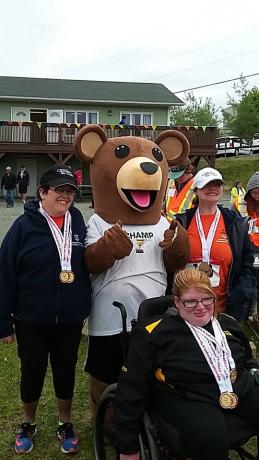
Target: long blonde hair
[(193, 278)]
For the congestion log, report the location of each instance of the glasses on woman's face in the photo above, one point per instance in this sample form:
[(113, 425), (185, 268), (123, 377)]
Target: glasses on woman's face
[(63, 189), (193, 303)]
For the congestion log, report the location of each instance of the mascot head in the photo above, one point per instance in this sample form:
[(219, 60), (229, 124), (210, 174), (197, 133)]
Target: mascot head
[(129, 174)]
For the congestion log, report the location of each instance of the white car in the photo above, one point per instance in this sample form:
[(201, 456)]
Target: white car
[(231, 145), (254, 148)]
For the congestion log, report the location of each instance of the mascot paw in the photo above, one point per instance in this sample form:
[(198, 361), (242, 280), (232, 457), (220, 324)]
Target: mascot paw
[(169, 235), (119, 241)]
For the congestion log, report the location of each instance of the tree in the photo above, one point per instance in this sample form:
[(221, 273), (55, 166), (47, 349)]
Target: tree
[(241, 116), (195, 112)]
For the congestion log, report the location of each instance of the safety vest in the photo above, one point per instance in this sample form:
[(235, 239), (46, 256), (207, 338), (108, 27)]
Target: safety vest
[(240, 205), (177, 202)]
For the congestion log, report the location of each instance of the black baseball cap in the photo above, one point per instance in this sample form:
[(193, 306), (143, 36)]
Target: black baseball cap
[(58, 175)]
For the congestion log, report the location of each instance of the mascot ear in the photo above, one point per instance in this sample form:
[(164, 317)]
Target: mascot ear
[(87, 142), (174, 145)]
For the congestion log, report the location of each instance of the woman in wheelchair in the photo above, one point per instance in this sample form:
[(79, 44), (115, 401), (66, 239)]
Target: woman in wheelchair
[(195, 367)]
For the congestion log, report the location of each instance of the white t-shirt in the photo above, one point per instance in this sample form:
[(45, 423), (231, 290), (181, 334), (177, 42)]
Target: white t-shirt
[(139, 276)]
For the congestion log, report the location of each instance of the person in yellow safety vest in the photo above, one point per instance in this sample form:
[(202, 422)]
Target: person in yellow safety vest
[(237, 201), (179, 193)]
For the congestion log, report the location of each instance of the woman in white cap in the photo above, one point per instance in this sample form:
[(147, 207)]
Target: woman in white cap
[(219, 244)]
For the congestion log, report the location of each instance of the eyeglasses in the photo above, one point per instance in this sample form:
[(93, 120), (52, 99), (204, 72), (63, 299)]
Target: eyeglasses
[(192, 303), (63, 189)]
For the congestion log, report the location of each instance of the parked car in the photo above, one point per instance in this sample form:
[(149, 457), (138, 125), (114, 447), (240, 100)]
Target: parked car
[(231, 145), (254, 148)]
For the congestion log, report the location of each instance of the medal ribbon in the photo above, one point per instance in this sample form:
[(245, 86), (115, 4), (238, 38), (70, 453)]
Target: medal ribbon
[(206, 243), (63, 241), (216, 352)]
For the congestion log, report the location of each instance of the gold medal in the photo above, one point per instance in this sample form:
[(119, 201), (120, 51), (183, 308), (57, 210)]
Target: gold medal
[(71, 277), (205, 267), (225, 400), (233, 375), (64, 277), (228, 400), (234, 398)]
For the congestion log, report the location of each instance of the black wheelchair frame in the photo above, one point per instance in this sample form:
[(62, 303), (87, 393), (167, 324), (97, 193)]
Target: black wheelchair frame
[(154, 431)]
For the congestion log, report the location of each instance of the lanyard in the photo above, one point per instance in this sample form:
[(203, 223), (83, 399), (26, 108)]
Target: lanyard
[(206, 243), (63, 241), (216, 352)]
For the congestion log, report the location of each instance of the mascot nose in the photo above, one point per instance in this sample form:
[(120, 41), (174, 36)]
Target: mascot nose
[(149, 168)]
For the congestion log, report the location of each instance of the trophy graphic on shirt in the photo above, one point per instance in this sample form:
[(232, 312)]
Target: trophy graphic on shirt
[(140, 242)]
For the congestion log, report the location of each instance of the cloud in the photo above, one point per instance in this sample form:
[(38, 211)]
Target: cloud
[(179, 44)]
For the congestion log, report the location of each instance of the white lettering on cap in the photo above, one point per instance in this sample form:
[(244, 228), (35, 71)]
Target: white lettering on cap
[(65, 172), (210, 173)]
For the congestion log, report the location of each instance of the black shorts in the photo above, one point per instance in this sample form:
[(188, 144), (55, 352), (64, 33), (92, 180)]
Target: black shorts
[(104, 357)]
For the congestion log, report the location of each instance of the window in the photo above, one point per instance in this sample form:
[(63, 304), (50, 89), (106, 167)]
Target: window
[(137, 118), (81, 117)]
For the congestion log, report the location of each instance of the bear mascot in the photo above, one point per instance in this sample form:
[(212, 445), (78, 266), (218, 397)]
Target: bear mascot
[(130, 248)]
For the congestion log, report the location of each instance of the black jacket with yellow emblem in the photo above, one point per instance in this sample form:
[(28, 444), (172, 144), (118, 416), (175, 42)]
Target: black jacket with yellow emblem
[(165, 357)]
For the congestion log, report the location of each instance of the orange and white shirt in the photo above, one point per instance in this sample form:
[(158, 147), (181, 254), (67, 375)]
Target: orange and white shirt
[(220, 254)]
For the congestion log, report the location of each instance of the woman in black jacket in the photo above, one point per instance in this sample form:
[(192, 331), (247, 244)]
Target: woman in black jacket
[(194, 367), (45, 298), (219, 244)]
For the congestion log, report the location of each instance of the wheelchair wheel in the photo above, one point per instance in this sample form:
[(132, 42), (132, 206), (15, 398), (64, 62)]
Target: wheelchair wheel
[(103, 442), (103, 447)]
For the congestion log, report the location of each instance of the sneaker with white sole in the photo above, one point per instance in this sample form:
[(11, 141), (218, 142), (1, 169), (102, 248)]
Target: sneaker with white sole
[(24, 435), (69, 440)]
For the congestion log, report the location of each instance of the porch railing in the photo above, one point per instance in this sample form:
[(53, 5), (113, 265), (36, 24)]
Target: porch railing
[(61, 134)]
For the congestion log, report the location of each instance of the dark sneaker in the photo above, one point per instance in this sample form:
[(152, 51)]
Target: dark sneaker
[(69, 440), (24, 435)]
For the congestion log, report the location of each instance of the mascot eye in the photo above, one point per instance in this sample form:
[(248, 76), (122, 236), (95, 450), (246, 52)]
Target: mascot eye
[(121, 151), (157, 154)]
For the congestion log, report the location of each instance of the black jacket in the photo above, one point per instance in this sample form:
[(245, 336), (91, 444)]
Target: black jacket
[(8, 181), (168, 344), (242, 276), (30, 289)]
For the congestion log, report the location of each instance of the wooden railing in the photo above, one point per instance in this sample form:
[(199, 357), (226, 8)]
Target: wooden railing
[(54, 133)]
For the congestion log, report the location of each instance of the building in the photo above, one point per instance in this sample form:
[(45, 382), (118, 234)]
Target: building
[(39, 118)]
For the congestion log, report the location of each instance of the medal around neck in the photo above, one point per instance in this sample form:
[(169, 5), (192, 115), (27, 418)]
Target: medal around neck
[(233, 375), (67, 276), (205, 267), (228, 400)]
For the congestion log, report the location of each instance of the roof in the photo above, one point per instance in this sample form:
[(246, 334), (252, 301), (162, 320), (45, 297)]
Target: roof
[(105, 92)]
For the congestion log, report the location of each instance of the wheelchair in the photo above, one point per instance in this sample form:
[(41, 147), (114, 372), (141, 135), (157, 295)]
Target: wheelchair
[(155, 433)]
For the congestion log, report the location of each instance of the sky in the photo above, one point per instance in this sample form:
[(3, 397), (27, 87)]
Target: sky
[(180, 44)]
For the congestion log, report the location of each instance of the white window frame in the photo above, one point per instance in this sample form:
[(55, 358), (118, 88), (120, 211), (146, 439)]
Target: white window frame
[(81, 111), (137, 113)]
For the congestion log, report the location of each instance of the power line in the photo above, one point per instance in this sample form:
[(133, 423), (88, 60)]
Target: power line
[(216, 83)]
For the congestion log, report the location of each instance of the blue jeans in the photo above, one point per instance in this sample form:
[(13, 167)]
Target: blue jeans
[(9, 197)]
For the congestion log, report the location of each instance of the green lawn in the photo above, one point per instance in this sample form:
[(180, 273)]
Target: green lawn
[(239, 168), (46, 445)]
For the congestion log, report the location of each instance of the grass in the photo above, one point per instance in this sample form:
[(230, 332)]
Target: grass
[(46, 445), (239, 168)]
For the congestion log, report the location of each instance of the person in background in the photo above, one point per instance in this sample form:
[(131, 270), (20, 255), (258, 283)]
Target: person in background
[(179, 193), (123, 120), (237, 194), (252, 204), (45, 298), (219, 245), (194, 366), (23, 180), (8, 184)]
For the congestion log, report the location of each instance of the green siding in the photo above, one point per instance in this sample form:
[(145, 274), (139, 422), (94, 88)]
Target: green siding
[(159, 114)]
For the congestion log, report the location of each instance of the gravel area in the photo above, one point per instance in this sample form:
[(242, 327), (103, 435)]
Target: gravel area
[(8, 215)]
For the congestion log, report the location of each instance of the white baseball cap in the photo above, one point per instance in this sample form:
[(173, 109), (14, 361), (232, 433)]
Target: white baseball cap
[(206, 175)]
